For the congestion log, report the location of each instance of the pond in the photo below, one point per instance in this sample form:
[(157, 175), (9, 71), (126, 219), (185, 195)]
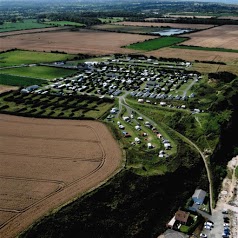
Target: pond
[(171, 31)]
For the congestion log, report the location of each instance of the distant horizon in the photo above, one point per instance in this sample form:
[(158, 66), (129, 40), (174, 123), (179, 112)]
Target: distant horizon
[(209, 1)]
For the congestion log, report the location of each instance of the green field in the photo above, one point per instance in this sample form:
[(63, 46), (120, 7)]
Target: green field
[(236, 171), (157, 43), (204, 48), (111, 19), (42, 72), (63, 23), (25, 25), (19, 81), (18, 57)]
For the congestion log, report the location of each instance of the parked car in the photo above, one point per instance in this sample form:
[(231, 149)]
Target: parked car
[(203, 235), (207, 227)]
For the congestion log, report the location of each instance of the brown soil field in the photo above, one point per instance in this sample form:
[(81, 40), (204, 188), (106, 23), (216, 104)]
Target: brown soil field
[(5, 88), (227, 17), (46, 163), (192, 55), (11, 33), (175, 25), (83, 41), (219, 37)]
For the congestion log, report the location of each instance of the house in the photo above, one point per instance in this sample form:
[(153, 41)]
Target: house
[(182, 216), (150, 146), (199, 196)]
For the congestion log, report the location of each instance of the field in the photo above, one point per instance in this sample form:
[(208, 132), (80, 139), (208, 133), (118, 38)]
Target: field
[(57, 168), (63, 23), (218, 37), (12, 80), (127, 29), (83, 41), (18, 57), (10, 33), (42, 72), (174, 25), (54, 106), (111, 19), (155, 44), (192, 55), (6, 88), (26, 24)]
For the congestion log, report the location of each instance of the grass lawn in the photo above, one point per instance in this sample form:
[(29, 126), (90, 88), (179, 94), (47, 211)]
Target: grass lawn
[(204, 48), (63, 23), (18, 57), (157, 43), (25, 25), (19, 81), (42, 72)]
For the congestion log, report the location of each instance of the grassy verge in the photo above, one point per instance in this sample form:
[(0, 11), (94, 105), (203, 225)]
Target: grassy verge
[(12, 80), (156, 44), (204, 48)]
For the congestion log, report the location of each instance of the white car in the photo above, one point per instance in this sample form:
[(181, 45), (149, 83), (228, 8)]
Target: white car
[(203, 235), (121, 127), (207, 227)]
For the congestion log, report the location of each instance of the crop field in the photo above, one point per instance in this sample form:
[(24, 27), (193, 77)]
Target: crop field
[(192, 55), (57, 168), (174, 25), (218, 37), (13, 80), (83, 41), (42, 72), (18, 57), (26, 24), (63, 23), (111, 19), (155, 44)]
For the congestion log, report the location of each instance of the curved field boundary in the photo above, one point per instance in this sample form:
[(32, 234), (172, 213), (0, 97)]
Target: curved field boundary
[(109, 162)]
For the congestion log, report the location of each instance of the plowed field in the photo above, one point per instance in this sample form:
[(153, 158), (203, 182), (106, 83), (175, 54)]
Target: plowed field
[(83, 41), (46, 163), (218, 37)]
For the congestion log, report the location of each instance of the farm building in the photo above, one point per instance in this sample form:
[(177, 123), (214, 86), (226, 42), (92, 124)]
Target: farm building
[(199, 196)]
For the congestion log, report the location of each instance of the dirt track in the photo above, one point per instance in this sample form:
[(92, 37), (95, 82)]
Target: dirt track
[(46, 163)]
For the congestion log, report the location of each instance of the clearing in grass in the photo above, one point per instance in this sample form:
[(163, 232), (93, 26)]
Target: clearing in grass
[(157, 43), (42, 72), (18, 57)]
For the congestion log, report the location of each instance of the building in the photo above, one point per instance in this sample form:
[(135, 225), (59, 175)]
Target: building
[(199, 196), (182, 216)]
